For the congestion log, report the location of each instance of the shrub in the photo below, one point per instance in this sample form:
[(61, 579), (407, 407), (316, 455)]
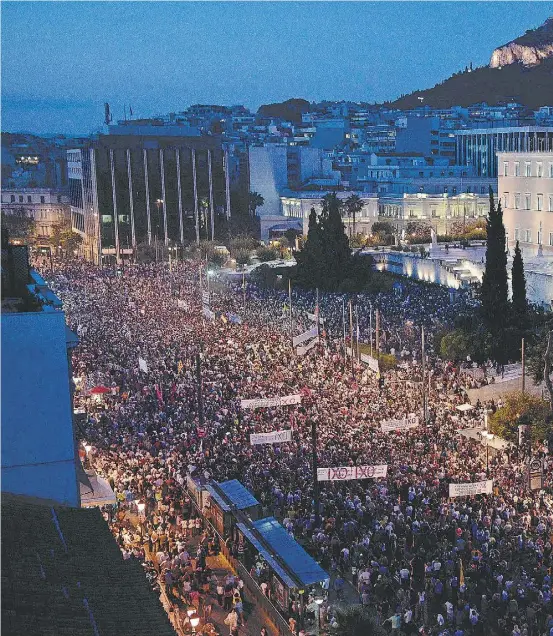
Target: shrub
[(266, 254), (242, 256), (521, 408)]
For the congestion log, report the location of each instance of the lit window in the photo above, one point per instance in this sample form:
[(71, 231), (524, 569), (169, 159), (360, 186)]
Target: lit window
[(517, 201), (527, 170), (517, 169), (506, 169), (527, 201), (539, 202)]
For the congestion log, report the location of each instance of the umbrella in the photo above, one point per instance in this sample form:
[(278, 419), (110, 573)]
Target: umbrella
[(99, 390)]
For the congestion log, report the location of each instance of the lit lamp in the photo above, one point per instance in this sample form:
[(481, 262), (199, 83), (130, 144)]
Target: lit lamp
[(194, 621), (319, 600)]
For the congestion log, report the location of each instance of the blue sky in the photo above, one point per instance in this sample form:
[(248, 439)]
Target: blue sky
[(62, 60)]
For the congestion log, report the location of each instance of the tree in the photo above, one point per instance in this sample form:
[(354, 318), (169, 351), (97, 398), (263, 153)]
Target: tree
[(255, 200), (521, 408), (357, 620), (456, 345), (418, 231), (310, 258), (266, 254), (20, 224), (518, 282), (337, 253), (64, 238), (353, 205), (383, 230), (494, 290), (242, 256)]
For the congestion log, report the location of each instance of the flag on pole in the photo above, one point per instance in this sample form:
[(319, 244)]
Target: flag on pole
[(159, 394), (143, 365)]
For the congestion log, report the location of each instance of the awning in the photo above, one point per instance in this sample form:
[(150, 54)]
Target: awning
[(465, 407), (298, 563), (99, 493)]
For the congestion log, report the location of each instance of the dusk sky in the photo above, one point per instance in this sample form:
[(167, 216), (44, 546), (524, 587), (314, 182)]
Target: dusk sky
[(62, 60)]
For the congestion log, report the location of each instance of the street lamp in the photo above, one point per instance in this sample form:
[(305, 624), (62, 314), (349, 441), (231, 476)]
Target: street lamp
[(319, 601)]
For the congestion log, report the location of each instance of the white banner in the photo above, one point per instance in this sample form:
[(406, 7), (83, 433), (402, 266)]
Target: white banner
[(270, 402), (371, 362), (181, 304), (313, 318), (209, 314), (411, 421), (343, 473), (276, 437), (306, 335), (476, 488), (205, 297), (303, 350), (143, 365)]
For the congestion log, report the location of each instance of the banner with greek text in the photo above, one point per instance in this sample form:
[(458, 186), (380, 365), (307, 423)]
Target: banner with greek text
[(411, 421), (313, 318), (371, 362), (205, 297), (306, 335), (303, 350), (143, 365), (270, 402), (276, 437), (343, 473), (210, 315), (475, 488)]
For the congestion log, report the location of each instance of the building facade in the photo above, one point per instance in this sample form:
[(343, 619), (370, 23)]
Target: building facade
[(297, 206), (128, 190), (47, 207), (478, 147), (525, 186)]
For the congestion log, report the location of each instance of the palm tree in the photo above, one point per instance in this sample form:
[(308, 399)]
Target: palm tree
[(354, 205), (255, 200), (357, 620)]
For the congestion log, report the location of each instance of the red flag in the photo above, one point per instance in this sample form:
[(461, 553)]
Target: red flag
[(159, 394)]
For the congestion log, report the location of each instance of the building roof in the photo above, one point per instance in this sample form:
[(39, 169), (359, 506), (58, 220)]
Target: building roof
[(298, 562), (237, 495), (63, 575)]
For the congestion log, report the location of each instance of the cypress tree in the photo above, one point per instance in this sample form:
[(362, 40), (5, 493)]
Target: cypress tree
[(310, 259), (518, 282), (494, 291), (337, 253)]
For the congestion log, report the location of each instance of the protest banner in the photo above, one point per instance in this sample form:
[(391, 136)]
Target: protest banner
[(210, 315), (205, 298), (475, 488), (303, 350), (276, 437), (306, 335), (344, 473), (259, 403), (181, 304), (143, 365), (371, 362), (313, 318), (411, 421)]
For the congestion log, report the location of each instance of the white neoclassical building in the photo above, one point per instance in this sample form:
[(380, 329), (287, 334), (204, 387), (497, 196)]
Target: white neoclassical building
[(525, 186)]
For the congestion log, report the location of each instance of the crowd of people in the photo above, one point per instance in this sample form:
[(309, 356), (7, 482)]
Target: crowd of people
[(423, 562)]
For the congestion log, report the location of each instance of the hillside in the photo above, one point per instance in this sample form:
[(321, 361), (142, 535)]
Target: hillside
[(290, 110), (531, 86)]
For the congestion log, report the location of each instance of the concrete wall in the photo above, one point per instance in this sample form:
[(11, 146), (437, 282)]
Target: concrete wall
[(38, 448)]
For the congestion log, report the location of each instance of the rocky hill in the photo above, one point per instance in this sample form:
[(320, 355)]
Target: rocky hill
[(530, 49)]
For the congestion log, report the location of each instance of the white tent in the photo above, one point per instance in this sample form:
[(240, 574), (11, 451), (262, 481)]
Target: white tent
[(465, 407)]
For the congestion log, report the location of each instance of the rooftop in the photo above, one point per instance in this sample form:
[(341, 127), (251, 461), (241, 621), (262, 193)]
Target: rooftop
[(64, 575), (237, 494)]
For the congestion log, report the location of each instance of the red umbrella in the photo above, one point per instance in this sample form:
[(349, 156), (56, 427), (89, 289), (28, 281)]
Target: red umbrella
[(99, 390)]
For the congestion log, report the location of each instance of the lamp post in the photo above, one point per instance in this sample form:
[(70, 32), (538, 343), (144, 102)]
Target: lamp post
[(319, 601), (159, 203)]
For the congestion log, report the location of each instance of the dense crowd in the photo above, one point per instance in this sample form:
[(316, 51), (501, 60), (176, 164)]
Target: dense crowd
[(425, 563)]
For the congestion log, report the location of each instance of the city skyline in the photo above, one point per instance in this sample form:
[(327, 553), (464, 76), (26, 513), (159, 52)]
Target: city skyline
[(233, 53)]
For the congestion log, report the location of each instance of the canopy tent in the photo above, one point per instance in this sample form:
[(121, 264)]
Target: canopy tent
[(99, 493), (465, 407)]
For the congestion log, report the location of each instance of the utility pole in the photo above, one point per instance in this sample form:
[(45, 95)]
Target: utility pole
[(351, 338), (523, 367), (344, 327), (423, 377), (315, 466), (199, 384), (290, 310), (371, 326), (377, 334)]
